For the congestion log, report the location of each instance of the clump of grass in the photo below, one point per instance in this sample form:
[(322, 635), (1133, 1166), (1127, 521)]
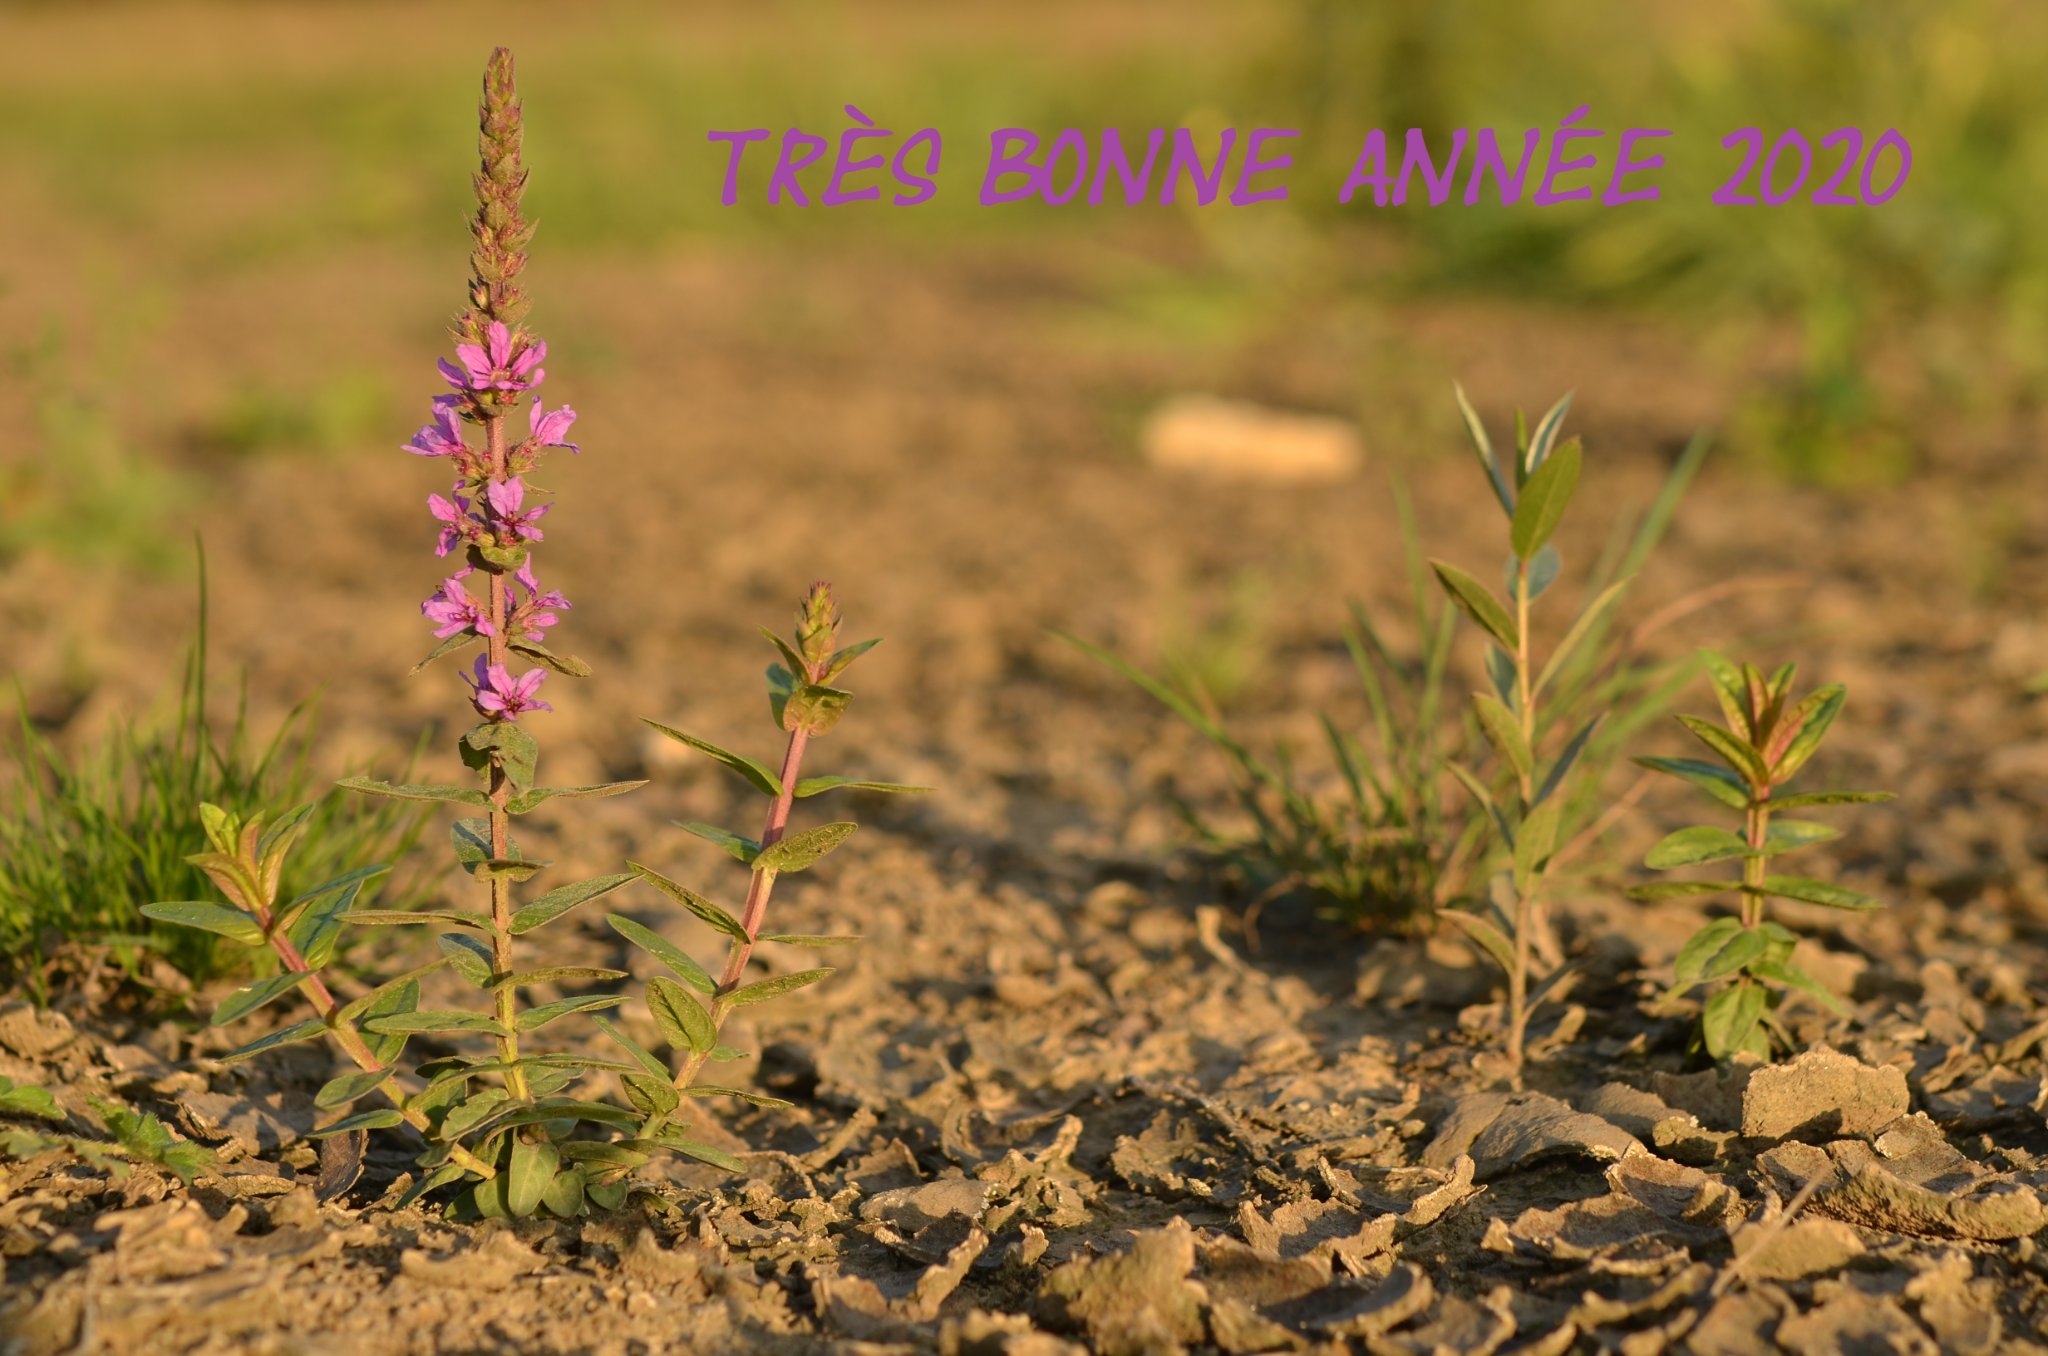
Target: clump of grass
[(86, 842)]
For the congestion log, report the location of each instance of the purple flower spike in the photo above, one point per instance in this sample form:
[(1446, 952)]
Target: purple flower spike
[(538, 611), (551, 428), (457, 525), (455, 611), (492, 367), (508, 499), (497, 692)]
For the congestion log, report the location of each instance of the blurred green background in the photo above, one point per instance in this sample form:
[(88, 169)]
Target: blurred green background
[(151, 154)]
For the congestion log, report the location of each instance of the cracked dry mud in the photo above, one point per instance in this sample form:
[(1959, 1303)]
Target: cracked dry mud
[(1061, 1100)]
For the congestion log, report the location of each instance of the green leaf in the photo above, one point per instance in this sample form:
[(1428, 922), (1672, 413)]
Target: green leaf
[(434, 1020), (1811, 718), (349, 1086), (1680, 889), (397, 995), (1738, 755), (757, 773), (1690, 966), (642, 1056), (800, 851), (690, 1148), (1544, 434), (1804, 799), (1810, 891), (317, 931), (563, 898), (665, 951), (1580, 629), (291, 1035), (752, 1098), (392, 918), (1731, 691), (529, 1175), (1784, 972), (740, 849), (692, 901), (1483, 796), (1490, 938), (527, 800), (1785, 835), (1561, 769), (654, 1097), (255, 994), (1482, 445), (1475, 602), (208, 916), (683, 1023), (815, 707), (567, 665), (564, 1197), (1734, 953), (761, 990), (1544, 497), (459, 641), (813, 941), (1535, 841), (1505, 734), (725, 1054), (19, 1099), (377, 1118), (327, 888), (550, 974), (469, 958), (456, 795), (815, 786), (842, 659), (601, 1154), (1696, 847), (1543, 571), (534, 1018), (506, 744), (1718, 782), (1729, 1018)]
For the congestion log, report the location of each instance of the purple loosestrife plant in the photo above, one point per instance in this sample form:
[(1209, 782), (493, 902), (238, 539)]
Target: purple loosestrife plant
[(1747, 959), (806, 702)]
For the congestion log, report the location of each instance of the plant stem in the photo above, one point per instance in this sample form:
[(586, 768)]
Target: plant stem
[(501, 820), (1518, 978), (1753, 868), (758, 891)]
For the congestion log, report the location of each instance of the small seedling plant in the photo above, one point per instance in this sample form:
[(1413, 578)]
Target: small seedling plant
[(805, 700), (1746, 960), (1527, 798), (514, 1123)]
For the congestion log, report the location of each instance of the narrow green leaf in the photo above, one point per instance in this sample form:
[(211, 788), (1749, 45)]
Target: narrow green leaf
[(757, 773), (815, 942), (1483, 796), (683, 1023), (840, 659), (1792, 977), (692, 901), (1786, 835), (467, 957), (1475, 602), (761, 990), (254, 995), (1542, 504), (642, 1056), (1693, 956), (1505, 734), (654, 1097), (1696, 846), (665, 951), (1732, 691), (1483, 445), (1680, 889), (1738, 755), (378, 1118), (1718, 782), (1810, 891), (391, 918), (1804, 799), (328, 888), (454, 795), (551, 974), (20, 1099), (563, 898), (535, 1018), (800, 851), (814, 786), (434, 1020), (1811, 718), (529, 1175), (1544, 435), (527, 800), (1490, 938), (1535, 841), (1562, 768), (567, 665), (753, 1098), (460, 641), (508, 745), (207, 916), (339, 1092), (1735, 953), (291, 1035), (739, 848), (690, 1148), (1729, 1018)]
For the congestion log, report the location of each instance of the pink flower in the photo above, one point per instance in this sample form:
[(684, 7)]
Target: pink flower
[(493, 367), (456, 524), (508, 499), (497, 692), (454, 610), (551, 428), (537, 612), (443, 437)]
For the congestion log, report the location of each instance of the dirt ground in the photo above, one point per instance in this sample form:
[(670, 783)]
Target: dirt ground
[(1061, 1100)]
